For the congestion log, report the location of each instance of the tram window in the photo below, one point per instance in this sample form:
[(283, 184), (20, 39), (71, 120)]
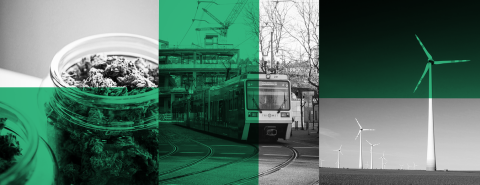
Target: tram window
[(221, 108), (242, 99), (232, 101), (235, 101)]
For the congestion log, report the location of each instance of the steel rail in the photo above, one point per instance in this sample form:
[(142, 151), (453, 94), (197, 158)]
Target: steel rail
[(271, 170)]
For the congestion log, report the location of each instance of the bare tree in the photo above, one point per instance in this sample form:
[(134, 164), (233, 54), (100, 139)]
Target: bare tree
[(252, 17), (306, 32), (272, 17), (275, 15), (228, 67)]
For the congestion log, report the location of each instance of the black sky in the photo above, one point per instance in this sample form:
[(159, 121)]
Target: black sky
[(369, 49)]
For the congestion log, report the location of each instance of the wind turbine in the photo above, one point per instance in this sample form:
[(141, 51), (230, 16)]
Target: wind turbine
[(431, 161), (383, 158), (401, 166), (360, 160), (321, 162), (339, 151), (371, 153), (414, 165), (408, 166)]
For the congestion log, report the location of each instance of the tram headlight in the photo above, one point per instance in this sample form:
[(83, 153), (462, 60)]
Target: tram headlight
[(285, 114), (253, 114)]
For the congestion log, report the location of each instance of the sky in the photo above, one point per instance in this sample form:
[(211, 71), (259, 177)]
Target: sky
[(370, 63), (176, 18)]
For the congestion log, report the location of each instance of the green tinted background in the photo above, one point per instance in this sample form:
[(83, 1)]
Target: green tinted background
[(24, 100), (176, 27)]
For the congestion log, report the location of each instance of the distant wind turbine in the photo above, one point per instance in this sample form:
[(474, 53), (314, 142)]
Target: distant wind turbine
[(360, 160), (408, 166), (431, 161), (414, 165), (371, 153), (401, 166), (383, 158), (321, 160), (339, 151)]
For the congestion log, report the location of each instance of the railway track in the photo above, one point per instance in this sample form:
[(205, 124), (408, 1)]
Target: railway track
[(211, 152), (271, 170), (176, 149)]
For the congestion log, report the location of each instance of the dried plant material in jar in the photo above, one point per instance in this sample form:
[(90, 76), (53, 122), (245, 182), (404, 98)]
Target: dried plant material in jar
[(9, 149), (93, 142)]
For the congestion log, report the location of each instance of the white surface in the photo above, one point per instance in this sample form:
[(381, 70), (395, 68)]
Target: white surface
[(14, 79), (32, 32)]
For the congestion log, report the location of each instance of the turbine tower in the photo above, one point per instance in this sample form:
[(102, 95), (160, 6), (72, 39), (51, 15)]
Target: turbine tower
[(383, 158), (371, 154), (431, 161), (339, 151), (360, 160)]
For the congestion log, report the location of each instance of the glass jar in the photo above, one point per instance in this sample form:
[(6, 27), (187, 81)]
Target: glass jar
[(100, 139), (26, 151)]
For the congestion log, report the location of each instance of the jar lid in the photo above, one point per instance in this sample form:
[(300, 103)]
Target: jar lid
[(13, 123)]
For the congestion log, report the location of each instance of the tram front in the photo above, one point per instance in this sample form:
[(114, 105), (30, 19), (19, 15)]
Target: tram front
[(268, 113)]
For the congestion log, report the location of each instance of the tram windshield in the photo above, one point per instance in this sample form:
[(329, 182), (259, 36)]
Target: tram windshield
[(268, 95)]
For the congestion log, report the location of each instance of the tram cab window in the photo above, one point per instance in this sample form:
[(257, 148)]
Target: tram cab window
[(268, 95)]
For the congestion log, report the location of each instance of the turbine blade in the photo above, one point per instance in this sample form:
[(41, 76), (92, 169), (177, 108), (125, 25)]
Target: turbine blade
[(450, 61), (369, 142), (420, 81), (340, 147), (358, 134), (341, 152), (368, 129), (358, 123), (424, 49), (376, 144)]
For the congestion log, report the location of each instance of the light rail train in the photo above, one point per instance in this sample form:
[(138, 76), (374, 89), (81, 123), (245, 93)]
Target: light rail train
[(247, 107)]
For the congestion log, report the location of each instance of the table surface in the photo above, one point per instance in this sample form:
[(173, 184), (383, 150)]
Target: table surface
[(14, 79)]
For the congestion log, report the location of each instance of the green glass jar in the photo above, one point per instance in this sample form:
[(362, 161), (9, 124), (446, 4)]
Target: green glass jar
[(100, 139), (25, 157)]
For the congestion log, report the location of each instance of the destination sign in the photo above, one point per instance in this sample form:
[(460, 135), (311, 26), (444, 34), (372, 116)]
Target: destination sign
[(273, 84), (267, 84)]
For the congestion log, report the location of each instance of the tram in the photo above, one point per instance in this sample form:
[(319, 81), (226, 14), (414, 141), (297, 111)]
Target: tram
[(247, 107)]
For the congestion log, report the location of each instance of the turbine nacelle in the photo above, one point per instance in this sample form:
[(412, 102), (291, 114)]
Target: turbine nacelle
[(361, 129), (433, 62)]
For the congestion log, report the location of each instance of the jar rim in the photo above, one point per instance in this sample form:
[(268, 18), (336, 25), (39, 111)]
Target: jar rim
[(32, 138), (60, 54)]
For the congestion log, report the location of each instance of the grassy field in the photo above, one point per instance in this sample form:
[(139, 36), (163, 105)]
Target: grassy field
[(375, 176)]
